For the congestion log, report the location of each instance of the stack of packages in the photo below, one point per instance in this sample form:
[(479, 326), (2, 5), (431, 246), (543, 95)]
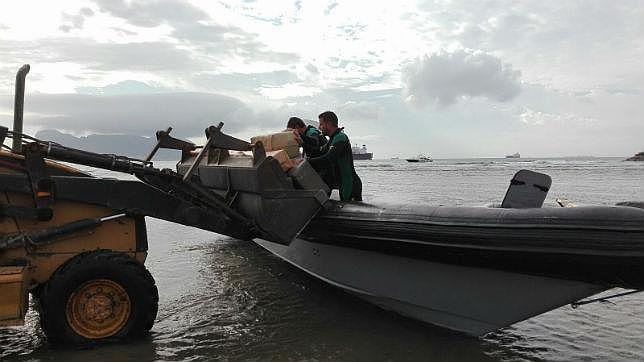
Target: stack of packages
[(281, 146)]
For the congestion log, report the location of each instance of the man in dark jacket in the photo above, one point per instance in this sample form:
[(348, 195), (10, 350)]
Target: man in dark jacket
[(338, 159), (312, 140)]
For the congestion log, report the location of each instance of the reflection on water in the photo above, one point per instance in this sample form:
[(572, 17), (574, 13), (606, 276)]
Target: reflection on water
[(221, 298)]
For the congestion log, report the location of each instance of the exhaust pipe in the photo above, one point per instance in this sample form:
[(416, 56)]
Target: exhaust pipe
[(18, 108)]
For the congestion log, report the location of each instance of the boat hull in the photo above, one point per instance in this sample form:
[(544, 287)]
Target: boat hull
[(363, 156), (596, 245), (466, 299), (418, 160)]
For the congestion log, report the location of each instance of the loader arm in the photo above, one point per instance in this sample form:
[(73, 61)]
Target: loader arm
[(270, 207), (135, 198)]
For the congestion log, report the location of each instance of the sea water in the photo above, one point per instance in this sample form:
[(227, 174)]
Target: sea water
[(225, 299)]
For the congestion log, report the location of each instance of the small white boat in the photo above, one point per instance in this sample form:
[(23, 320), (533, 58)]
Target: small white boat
[(420, 158)]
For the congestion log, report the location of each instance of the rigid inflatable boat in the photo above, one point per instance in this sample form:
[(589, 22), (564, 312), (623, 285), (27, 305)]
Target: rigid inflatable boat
[(469, 269)]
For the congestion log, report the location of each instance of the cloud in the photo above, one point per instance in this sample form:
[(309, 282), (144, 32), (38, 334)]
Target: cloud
[(152, 13), (124, 87), (572, 44), (250, 82), (75, 21), (312, 69), (367, 138), (216, 39), (362, 110), (123, 32), (142, 114), (330, 7), (194, 27), (538, 118), (352, 31), (444, 78), (139, 56)]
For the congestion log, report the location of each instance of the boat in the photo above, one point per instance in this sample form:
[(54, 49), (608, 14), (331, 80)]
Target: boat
[(472, 270), (638, 157), (360, 153), (469, 269), (514, 155), (420, 158)]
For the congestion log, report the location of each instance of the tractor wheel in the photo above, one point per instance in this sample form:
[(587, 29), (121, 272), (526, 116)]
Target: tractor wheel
[(97, 297)]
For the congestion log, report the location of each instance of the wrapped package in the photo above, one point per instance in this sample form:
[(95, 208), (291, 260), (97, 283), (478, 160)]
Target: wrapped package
[(279, 141), (282, 157)]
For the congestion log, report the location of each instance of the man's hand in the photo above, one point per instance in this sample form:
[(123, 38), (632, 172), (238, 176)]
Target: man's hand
[(296, 161), (297, 136)]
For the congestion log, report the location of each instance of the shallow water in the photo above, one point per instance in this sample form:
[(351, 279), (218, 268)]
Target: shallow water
[(221, 298)]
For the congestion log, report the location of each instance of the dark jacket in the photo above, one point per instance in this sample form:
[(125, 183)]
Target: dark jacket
[(313, 141), (337, 159)]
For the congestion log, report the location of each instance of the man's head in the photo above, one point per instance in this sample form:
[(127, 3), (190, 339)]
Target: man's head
[(296, 124), (328, 123)]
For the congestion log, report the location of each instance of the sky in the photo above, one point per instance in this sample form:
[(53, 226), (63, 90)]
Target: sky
[(452, 79)]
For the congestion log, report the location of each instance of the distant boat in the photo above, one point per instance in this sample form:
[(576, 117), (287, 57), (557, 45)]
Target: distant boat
[(360, 153), (516, 155), (638, 157), (395, 158), (420, 158)]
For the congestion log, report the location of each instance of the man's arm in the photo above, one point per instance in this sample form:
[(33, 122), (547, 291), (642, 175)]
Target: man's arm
[(310, 142), (335, 151)]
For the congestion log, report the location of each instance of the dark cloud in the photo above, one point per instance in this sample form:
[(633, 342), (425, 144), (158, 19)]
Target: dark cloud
[(142, 114), (443, 78), (159, 57), (143, 56)]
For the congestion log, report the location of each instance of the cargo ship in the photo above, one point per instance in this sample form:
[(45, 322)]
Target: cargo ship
[(360, 153)]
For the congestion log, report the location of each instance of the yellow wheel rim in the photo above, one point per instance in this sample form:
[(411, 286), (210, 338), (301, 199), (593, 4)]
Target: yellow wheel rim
[(98, 309)]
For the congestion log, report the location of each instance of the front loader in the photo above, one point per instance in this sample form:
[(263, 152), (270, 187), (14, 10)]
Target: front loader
[(78, 243)]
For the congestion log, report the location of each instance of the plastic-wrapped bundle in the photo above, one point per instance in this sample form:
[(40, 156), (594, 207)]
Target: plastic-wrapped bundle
[(279, 141)]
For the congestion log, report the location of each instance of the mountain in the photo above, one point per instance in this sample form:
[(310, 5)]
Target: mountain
[(124, 145)]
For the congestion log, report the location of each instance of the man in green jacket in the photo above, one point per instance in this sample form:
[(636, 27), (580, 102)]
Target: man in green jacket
[(311, 139), (337, 158)]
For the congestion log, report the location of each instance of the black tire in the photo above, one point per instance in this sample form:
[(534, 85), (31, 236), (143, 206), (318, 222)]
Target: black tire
[(92, 268)]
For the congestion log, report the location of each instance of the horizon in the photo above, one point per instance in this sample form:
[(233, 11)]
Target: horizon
[(385, 158), (454, 79)]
